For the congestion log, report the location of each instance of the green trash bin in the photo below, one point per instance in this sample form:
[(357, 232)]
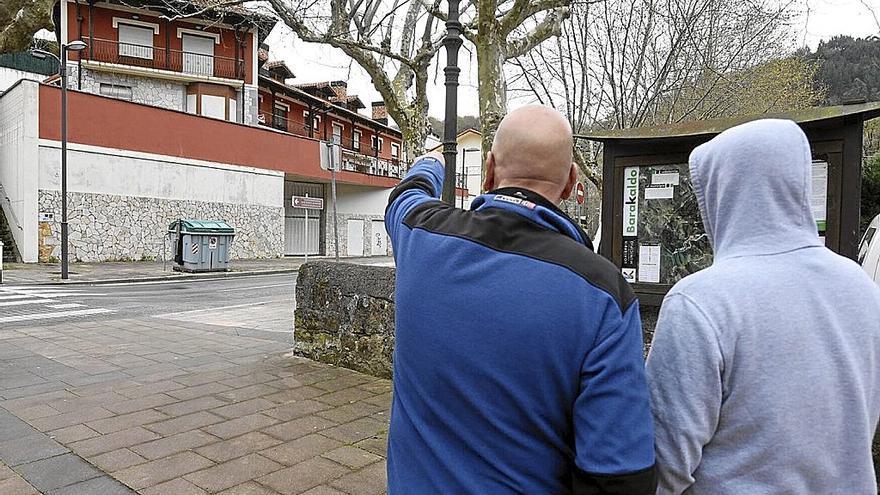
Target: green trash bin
[(201, 245)]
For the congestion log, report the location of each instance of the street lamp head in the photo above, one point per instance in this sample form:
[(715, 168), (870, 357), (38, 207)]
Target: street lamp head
[(76, 46), (40, 54)]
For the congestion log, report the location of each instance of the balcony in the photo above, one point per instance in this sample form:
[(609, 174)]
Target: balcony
[(196, 64), (356, 156)]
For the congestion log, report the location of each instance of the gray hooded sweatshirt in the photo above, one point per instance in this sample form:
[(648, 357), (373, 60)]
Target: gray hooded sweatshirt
[(764, 371)]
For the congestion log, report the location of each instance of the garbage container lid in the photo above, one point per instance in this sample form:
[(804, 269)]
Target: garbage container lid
[(189, 226)]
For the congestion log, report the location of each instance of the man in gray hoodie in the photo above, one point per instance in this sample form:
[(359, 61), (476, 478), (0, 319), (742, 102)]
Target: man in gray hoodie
[(765, 368)]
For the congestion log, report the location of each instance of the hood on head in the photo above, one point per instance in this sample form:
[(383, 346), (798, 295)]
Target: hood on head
[(753, 183)]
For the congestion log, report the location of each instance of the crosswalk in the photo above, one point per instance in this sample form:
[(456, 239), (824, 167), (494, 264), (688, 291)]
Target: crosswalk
[(38, 303)]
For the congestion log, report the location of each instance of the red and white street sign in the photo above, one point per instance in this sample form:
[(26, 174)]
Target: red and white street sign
[(580, 193), (308, 203)]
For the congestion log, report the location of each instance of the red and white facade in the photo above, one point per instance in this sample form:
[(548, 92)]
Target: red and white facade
[(177, 119)]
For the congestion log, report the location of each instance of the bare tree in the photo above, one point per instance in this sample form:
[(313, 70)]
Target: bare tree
[(394, 43), (502, 30), (627, 63)]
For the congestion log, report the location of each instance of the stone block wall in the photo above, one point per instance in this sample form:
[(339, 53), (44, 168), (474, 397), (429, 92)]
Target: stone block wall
[(345, 316), (146, 90), (107, 227)]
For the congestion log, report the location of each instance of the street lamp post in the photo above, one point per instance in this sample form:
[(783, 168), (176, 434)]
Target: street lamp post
[(464, 174), (73, 46), (452, 43)]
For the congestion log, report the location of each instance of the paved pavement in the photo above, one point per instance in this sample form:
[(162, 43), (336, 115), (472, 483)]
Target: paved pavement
[(89, 273), (155, 395)]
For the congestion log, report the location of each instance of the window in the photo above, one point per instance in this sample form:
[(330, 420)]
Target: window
[(279, 117), (214, 106), (376, 142), (191, 100), (395, 150), (337, 133), (198, 55), (356, 140), (316, 120), (116, 91), (135, 41), (233, 111)]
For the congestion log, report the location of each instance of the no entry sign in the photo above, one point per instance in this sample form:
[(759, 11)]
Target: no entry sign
[(580, 193), (308, 203)]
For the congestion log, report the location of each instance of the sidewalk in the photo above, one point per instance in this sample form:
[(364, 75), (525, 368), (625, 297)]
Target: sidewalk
[(141, 271)]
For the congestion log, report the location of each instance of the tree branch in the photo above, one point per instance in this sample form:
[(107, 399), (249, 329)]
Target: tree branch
[(549, 26)]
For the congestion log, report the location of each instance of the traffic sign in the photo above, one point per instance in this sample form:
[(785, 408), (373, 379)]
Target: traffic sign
[(580, 193), (308, 203)]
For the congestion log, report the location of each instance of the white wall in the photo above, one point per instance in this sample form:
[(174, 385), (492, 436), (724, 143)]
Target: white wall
[(96, 170), (19, 138), (8, 77), (360, 200)]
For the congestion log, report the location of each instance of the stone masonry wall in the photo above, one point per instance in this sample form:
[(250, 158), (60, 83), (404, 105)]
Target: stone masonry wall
[(345, 316), (149, 91), (113, 228)]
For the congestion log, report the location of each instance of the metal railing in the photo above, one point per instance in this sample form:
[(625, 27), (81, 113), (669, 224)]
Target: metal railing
[(357, 156), (116, 52), (11, 210)]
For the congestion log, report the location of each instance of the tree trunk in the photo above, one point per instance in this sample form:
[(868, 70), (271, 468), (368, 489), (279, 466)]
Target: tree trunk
[(414, 136), (492, 84)]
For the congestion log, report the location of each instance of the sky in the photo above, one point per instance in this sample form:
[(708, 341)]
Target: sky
[(311, 62)]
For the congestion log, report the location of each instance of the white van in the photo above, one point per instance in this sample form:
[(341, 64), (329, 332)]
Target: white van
[(869, 250)]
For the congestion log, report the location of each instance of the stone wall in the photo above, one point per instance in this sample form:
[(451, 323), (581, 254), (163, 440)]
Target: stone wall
[(146, 90), (107, 227), (345, 316)]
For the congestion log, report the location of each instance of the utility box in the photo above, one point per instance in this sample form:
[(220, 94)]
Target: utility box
[(201, 245), (651, 224)]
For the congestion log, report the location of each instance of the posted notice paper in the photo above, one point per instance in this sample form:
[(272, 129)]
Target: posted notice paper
[(649, 264)]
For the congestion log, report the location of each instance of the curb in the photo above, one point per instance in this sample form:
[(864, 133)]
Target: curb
[(186, 276)]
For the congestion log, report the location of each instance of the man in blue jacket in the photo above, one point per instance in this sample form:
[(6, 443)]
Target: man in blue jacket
[(518, 356)]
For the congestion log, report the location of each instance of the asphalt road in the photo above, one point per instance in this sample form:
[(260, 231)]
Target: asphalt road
[(264, 302)]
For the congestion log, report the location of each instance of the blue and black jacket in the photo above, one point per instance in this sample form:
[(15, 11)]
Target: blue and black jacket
[(518, 356)]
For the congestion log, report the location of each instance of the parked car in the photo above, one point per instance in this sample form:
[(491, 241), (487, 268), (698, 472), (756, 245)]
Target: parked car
[(869, 250)]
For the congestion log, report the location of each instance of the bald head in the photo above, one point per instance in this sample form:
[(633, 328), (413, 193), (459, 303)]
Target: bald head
[(533, 150)]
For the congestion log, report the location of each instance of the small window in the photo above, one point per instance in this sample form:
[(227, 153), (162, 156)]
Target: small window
[(214, 106), (337, 133), (116, 91), (233, 110), (356, 140), (376, 142), (135, 41), (316, 120), (395, 150)]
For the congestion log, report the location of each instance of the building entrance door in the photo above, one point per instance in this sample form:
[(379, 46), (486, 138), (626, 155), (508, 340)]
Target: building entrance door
[(297, 239), (355, 237)]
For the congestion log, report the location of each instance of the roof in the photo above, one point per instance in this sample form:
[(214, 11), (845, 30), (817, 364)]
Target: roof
[(296, 92), (864, 111), (354, 101), (317, 88), (279, 66), (469, 130)]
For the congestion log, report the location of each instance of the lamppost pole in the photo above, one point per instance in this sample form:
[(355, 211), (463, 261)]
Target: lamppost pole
[(75, 46), (65, 274), (452, 42)]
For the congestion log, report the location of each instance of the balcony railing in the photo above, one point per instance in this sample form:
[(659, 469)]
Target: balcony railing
[(116, 52), (356, 156)]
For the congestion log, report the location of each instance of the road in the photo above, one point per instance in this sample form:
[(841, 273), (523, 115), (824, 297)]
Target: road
[(262, 303)]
